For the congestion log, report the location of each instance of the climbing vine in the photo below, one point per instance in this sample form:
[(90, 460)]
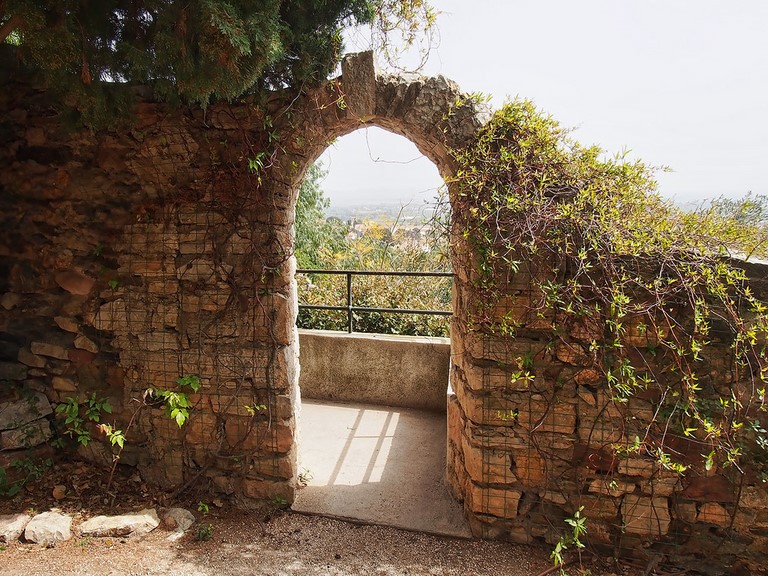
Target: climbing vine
[(629, 286)]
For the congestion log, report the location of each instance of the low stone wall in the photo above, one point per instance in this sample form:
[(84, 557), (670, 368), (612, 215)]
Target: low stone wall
[(526, 451), (407, 371)]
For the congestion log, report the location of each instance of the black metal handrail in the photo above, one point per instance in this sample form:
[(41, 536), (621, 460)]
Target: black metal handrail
[(350, 310)]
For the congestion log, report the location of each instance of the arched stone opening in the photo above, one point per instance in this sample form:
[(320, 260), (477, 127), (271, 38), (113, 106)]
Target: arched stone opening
[(168, 259), (371, 435), (431, 113), (132, 258)]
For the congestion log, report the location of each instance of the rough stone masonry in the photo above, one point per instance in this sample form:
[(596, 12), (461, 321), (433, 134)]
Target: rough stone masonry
[(162, 249)]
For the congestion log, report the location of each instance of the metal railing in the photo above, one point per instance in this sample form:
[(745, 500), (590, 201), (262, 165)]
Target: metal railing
[(350, 309)]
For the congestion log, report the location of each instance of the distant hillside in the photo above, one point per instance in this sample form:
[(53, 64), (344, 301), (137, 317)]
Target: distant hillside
[(383, 212)]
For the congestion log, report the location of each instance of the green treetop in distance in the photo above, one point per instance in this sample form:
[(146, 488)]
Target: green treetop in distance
[(193, 50), (317, 238)]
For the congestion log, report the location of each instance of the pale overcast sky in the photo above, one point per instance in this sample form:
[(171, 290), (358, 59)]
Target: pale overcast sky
[(680, 83)]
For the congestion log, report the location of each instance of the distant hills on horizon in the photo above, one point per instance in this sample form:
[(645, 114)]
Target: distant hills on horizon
[(388, 212), (382, 211)]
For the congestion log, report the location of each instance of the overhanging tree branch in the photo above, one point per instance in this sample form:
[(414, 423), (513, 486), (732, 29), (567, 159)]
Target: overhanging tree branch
[(9, 26)]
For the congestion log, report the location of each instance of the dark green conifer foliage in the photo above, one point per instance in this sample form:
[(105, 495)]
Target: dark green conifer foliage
[(193, 50)]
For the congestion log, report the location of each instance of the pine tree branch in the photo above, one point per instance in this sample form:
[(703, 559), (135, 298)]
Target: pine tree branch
[(11, 25)]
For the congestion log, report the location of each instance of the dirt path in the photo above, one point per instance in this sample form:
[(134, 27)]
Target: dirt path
[(290, 544), (266, 542)]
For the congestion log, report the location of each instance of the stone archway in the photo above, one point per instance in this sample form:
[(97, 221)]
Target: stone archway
[(131, 258), (184, 260), (430, 112)]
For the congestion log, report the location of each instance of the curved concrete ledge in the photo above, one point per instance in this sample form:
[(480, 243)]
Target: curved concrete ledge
[(407, 371)]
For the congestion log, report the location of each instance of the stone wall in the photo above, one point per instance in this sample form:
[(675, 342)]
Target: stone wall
[(524, 454), (162, 249), (406, 371), (132, 257)]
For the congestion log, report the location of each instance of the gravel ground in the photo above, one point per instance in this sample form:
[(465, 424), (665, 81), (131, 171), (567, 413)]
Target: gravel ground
[(287, 544), (266, 542)]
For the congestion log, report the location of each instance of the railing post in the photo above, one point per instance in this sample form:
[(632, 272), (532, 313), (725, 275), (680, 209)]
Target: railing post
[(349, 302)]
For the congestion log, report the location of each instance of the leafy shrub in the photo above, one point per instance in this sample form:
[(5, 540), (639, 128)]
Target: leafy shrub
[(603, 249)]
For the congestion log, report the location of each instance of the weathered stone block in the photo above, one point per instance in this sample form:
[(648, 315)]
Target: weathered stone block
[(611, 487), (600, 421), (162, 286), (85, 343), (754, 497), (242, 400), (599, 507), (249, 434), (49, 528), (146, 266), (195, 243), (50, 350), (19, 412), (685, 511), (486, 409), (12, 371), (159, 341), (191, 215), (214, 301), (496, 437), (133, 525), (224, 484), (62, 384), (28, 435), (716, 488), (111, 316), (455, 419), (498, 502), (358, 81), (32, 360), (557, 415), (661, 484), (267, 490), (75, 282), (572, 353), (200, 270), (81, 357), (493, 379), (274, 466), (645, 516), (713, 513), (553, 497), (529, 468), (587, 330), (12, 526), (506, 351), (637, 467), (10, 300), (66, 324), (486, 466)]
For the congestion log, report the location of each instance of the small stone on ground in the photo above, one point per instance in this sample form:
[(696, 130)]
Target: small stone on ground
[(12, 525), (179, 520), (49, 528), (133, 525)]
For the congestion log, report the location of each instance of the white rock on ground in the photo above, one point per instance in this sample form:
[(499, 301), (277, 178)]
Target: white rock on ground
[(12, 525), (132, 525), (49, 528), (179, 520)]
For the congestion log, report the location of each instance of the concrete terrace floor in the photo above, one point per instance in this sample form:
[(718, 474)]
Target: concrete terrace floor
[(377, 465)]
